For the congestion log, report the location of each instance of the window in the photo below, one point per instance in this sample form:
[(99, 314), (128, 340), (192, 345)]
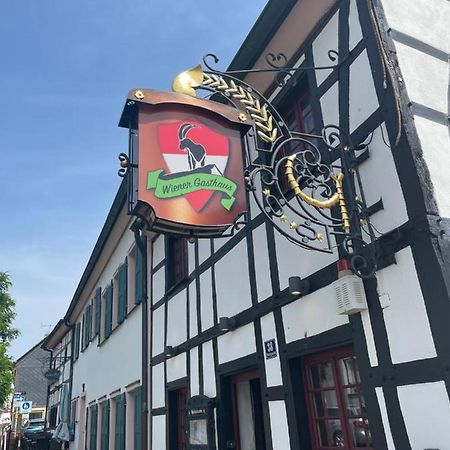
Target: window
[(177, 419), (87, 327), (120, 423), (108, 302), (52, 417), (336, 407), (122, 291), (299, 118), (93, 418), (137, 417), (176, 261), (104, 432)]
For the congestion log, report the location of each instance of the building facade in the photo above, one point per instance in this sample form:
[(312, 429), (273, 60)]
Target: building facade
[(281, 371)]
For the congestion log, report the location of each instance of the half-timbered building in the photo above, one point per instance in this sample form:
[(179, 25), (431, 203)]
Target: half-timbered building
[(281, 368)]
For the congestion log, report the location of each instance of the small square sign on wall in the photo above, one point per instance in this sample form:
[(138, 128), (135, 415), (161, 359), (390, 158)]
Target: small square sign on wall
[(270, 348)]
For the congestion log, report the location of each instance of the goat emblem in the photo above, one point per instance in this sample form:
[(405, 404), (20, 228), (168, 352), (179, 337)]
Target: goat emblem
[(195, 152)]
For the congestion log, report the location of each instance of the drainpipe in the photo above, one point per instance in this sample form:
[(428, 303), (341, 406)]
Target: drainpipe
[(48, 389), (135, 228)]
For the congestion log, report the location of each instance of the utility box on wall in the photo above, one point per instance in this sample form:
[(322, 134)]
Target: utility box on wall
[(350, 294)]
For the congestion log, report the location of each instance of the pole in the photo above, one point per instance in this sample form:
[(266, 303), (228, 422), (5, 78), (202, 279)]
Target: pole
[(136, 227)]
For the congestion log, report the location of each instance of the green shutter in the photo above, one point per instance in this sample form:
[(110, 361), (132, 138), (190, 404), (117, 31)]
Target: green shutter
[(98, 302), (122, 294), (137, 417), (93, 427), (138, 282), (76, 347), (83, 331), (119, 431), (108, 310), (105, 426)]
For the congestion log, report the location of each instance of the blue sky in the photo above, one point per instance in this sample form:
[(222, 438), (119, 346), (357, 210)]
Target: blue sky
[(65, 70)]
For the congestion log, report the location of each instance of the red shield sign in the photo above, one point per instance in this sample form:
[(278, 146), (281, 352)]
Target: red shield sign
[(190, 169), (190, 145)]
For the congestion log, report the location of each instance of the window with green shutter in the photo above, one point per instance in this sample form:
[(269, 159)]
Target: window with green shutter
[(93, 427), (104, 433), (108, 310), (97, 306), (76, 341), (138, 274), (83, 331), (137, 417), (122, 292), (120, 423)]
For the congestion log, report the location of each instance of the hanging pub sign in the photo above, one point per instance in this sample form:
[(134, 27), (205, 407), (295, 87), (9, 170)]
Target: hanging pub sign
[(185, 163)]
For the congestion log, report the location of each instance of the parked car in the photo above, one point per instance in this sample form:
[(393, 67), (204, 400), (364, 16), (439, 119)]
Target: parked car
[(34, 436)]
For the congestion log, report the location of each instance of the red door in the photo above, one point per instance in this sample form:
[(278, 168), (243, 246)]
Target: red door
[(336, 407), (181, 418)]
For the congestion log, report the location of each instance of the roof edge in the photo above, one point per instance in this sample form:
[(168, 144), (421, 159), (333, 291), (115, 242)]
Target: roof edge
[(261, 33)]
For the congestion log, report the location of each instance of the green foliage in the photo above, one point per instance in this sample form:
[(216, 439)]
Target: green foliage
[(7, 334), (6, 374), (7, 311)]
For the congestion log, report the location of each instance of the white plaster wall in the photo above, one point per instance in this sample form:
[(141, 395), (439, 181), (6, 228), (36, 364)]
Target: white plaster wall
[(158, 331), (158, 386), (206, 300), (261, 254), (370, 341), (295, 261), (329, 103), (312, 314), (406, 318), (363, 99), (273, 367), (236, 344), (204, 250), (114, 364), (159, 284), (194, 376), (159, 251), (426, 412), (435, 142), (191, 257), (426, 80), (354, 25), (209, 374), (384, 417), (421, 18), (176, 367), (379, 166), (326, 40), (159, 433), (177, 316), (279, 425), (193, 331), (117, 258), (232, 282)]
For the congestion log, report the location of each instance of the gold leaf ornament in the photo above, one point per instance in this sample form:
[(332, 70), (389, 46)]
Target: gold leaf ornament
[(185, 82)]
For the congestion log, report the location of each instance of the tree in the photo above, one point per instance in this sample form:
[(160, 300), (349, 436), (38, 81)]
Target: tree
[(7, 334)]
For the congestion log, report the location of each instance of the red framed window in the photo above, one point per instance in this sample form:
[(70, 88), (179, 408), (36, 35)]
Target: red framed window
[(299, 117), (336, 407)]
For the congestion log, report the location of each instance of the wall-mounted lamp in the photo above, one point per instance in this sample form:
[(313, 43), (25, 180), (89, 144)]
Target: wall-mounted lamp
[(169, 351), (297, 286), (226, 323)]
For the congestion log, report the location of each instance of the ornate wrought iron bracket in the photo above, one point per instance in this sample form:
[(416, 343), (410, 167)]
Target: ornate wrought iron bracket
[(316, 203)]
